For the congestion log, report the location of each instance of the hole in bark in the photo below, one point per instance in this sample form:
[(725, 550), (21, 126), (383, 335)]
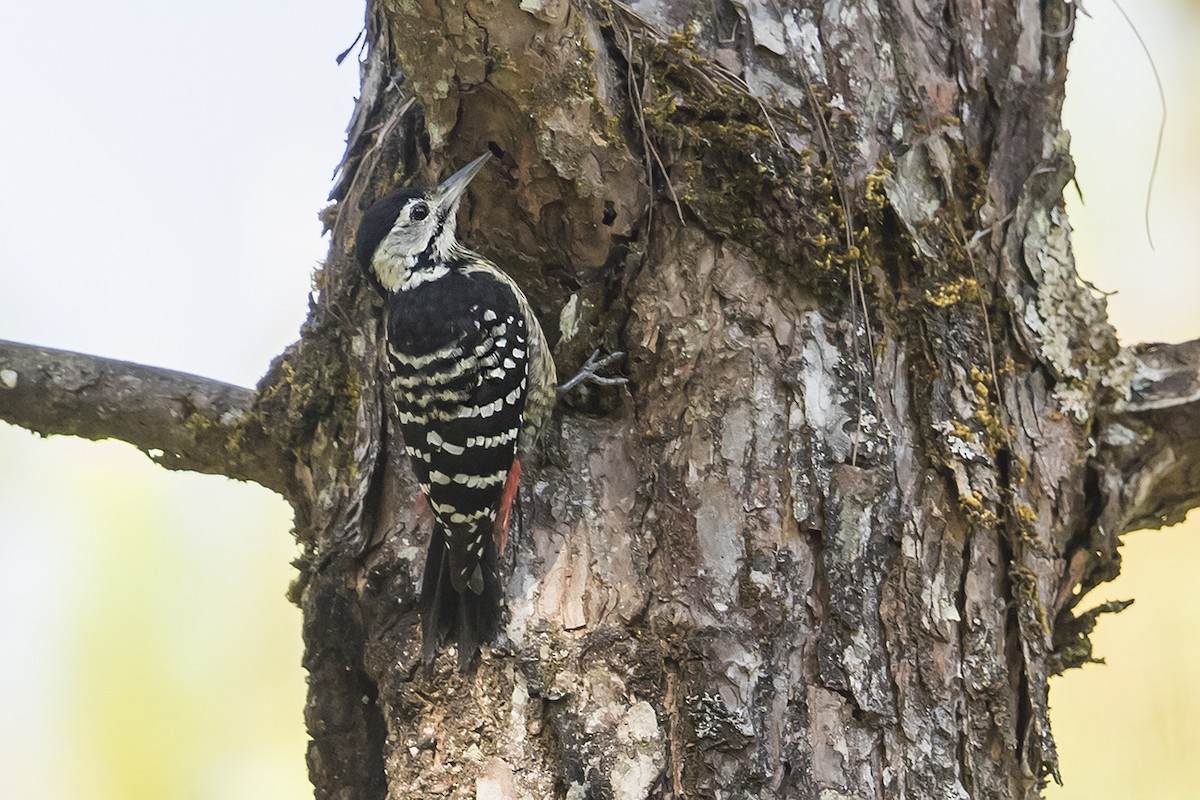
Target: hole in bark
[(610, 213)]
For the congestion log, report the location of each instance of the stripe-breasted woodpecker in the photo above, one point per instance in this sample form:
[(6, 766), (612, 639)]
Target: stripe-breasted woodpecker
[(473, 381)]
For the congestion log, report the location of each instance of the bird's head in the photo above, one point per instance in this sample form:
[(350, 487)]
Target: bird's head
[(407, 237)]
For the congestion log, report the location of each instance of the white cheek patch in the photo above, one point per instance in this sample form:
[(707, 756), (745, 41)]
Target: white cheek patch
[(397, 254), (390, 269), (418, 276)]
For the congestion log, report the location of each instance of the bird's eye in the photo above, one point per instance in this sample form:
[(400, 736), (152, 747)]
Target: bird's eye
[(419, 212)]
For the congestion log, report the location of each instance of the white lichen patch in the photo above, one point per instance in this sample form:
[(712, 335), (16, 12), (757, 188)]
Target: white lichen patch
[(641, 755), (520, 713), (765, 25), (496, 782), (735, 433), (804, 37), (568, 319), (231, 417), (718, 532), (552, 11), (943, 607), (959, 441), (1069, 319), (1114, 434), (824, 398), (603, 693), (763, 581), (8, 378), (1121, 376), (736, 442), (711, 717), (521, 607), (869, 433), (851, 542)]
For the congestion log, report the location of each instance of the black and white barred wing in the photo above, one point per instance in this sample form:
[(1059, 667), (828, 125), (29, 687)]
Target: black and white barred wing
[(460, 409)]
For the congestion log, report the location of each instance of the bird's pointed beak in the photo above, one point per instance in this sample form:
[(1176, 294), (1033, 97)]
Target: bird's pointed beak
[(453, 187)]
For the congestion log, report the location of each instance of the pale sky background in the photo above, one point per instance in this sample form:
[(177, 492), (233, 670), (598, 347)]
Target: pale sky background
[(164, 164)]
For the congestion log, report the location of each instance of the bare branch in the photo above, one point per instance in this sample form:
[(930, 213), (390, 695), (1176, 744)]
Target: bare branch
[(180, 421), (1154, 437)]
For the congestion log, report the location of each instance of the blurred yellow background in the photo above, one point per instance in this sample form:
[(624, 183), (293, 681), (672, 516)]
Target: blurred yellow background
[(164, 164), (148, 649), (156, 655), (1131, 728)]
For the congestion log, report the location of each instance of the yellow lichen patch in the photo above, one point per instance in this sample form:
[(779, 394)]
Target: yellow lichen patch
[(960, 429), (1025, 589), (948, 294), (995, 436), (197, 424), (973, 500), (874, 192), (975, 506)]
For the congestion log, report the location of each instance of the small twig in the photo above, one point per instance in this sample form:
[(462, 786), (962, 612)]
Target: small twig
[(858, 294), (651, 152), (342, 55), (1162, 119)]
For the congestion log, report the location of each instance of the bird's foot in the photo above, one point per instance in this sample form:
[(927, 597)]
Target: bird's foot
[(590, 373)]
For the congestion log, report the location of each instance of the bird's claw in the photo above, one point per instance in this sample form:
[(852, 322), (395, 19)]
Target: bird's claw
[(589, 372)]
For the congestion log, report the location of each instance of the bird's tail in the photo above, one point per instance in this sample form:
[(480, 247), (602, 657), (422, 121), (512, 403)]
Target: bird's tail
[(470, 617)]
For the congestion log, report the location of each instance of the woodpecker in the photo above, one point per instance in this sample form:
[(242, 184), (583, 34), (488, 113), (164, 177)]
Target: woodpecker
[(473, 383)]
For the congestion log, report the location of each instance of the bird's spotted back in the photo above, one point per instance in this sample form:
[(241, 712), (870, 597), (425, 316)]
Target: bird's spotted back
[(459, 382)]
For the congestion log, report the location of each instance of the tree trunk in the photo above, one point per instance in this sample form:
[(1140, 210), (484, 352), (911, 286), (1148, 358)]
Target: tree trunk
[(878, 441)]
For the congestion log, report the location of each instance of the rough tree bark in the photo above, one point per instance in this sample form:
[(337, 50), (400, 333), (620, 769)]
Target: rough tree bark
[(878, 443)]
